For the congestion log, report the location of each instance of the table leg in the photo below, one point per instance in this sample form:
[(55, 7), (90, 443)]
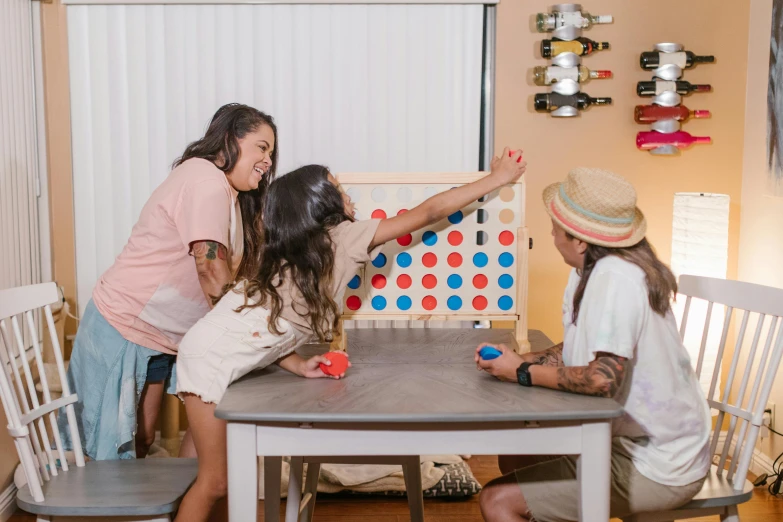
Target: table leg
[(242, 472), (273, 469), (294, 490), (594, 471)]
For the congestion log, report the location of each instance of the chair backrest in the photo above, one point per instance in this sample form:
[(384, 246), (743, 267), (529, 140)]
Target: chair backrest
[(746, 390), (22, 311)]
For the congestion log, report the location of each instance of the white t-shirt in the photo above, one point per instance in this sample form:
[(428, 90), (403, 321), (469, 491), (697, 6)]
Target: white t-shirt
[(666, 425)]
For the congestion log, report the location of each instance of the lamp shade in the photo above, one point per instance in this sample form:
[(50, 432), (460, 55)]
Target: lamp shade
[(700, 246)]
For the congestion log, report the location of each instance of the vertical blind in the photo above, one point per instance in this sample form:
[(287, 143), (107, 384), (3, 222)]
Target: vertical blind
[(361, 88), (20, 252)]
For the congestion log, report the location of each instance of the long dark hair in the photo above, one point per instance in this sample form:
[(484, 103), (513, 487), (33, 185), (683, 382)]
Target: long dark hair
[(220, 145), (661, 283), (301, 207)]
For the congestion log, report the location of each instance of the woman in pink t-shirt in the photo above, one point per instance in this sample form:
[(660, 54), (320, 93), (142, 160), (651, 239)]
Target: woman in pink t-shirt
[(188, 243)]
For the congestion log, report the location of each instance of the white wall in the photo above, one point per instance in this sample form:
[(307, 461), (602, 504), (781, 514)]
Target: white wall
[(761, 241)]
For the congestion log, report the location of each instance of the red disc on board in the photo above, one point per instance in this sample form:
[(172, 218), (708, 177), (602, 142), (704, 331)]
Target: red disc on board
[(353, 302), (455, 238), (378, 214), (454, 259), (429, 302), (429, 260), (404, 281), (405, 240), (429, 281), (479, 302), (378, 281), (506, 238), (480, 281)]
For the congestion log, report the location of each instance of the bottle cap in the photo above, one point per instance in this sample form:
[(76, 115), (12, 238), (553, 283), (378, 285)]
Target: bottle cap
[(540, 102), (603, 19), (701, 114), (702, 139), (702, 88), (603, 46), (704, 59), (601, 74)]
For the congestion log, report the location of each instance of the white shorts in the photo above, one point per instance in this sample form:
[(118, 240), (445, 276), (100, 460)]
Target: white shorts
[(225, 345)]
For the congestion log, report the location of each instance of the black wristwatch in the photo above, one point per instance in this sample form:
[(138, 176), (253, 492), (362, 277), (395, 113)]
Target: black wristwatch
[(523, 374)]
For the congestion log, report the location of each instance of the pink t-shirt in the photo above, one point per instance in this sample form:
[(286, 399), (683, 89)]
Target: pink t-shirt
[(151, 294)]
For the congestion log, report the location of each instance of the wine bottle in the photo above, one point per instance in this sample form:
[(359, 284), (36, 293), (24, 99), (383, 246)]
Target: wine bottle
[(547, 102), (543, 75), (653, 113), (580, 46), (656, 87), (683, 59), (548, 22), (648, 140)]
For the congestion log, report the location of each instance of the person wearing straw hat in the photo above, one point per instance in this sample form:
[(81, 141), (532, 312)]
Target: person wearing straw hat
[(620, 341)]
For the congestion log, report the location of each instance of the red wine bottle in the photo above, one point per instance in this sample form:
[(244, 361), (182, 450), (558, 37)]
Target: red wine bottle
[(648, 140), (683, 59), (547, 102), (655, 87), (653, 113)]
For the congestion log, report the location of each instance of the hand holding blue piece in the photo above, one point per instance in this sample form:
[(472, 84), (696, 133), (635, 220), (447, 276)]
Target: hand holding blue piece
[(488, 353)]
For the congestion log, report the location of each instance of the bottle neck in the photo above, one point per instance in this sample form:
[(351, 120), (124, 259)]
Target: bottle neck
[(600, 101), (600, 74), (700, 114), (703, 59), (702, 139), (701, 88), (601, 19)]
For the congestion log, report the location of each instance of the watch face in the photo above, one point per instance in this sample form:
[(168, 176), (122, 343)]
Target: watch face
[(523, 375)]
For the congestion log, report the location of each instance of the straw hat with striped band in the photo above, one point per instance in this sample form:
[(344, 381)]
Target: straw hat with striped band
[(598, 207)]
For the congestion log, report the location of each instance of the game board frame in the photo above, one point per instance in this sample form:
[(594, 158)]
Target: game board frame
[(518, 315)]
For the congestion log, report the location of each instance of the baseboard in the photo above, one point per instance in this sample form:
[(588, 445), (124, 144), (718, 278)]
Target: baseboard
[(760, 463), (7, 502)]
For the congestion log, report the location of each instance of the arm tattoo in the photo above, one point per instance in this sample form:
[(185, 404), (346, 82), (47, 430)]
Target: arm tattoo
[(549, 357), (209, 251), (601, 378)]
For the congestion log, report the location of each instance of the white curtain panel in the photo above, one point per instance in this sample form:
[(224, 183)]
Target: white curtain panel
[(369, 88), (700, 246), (20, 252)]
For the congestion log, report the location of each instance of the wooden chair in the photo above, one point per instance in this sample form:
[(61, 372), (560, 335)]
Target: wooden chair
[(145, 489), (742, 402)]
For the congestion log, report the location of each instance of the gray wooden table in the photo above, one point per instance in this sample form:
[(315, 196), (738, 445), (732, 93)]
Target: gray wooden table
[(410, 392)]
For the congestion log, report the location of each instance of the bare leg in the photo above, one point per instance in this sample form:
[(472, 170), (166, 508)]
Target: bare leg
[(209, 437), (187, 449), (147, 416), (501, 500)]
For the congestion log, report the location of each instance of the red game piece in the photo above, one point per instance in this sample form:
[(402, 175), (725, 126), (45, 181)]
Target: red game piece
[(339, 363), (511, 155)]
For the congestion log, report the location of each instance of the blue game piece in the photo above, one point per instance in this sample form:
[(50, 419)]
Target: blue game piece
[(480, 259), (380, 261), (505, 260), (355, 282), (505, 281), (454, 281), (404, 259), (404, 302), (505, 302), (454, 302), (379, 302), (488, 353), (456, 218), (429, 238)]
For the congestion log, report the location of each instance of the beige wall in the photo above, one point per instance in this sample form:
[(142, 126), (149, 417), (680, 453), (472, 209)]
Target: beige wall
[(8, 460), (761, 244), (605, 136)]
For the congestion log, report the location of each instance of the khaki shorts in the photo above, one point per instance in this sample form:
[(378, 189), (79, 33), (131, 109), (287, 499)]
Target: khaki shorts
[(551, 489), (225, 345)]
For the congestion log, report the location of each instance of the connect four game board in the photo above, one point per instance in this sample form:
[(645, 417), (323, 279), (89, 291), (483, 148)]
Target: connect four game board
[(470, 266)]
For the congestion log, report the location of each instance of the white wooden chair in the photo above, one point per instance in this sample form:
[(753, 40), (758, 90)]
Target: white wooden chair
[(145, 489), (744, 396)]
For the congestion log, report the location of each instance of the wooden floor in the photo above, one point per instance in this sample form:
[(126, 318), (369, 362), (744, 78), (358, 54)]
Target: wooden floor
[(762, 508)]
